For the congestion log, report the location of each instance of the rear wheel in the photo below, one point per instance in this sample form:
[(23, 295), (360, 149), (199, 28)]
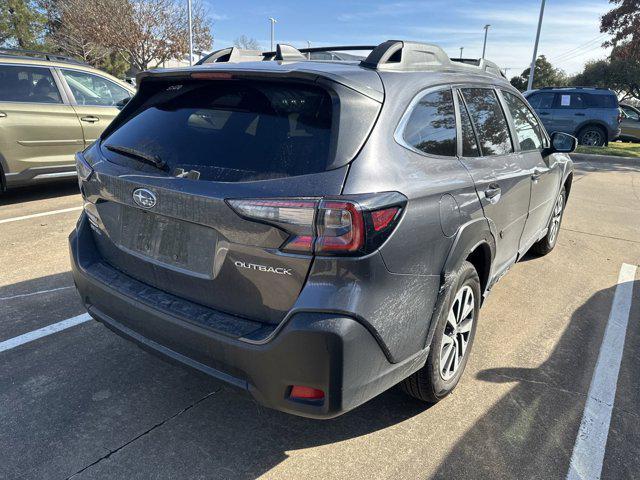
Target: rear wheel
[(452, 340), (592, 136), (546, 244)]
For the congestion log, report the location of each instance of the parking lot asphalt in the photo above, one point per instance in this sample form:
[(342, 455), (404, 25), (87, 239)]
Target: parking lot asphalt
[(85, 404)]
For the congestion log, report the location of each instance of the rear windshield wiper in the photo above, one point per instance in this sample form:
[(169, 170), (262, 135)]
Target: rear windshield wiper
[(154, 160)]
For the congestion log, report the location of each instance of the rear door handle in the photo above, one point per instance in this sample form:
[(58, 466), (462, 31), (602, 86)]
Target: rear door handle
[(545, 113), (493, 193), (579, 114), (2, 114), (89, 119)]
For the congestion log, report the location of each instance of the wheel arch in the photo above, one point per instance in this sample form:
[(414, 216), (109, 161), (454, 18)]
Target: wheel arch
[(476, 244)]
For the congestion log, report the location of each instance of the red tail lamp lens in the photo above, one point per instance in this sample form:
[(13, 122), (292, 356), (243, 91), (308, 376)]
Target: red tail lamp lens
[(382, 218), (306, 393)]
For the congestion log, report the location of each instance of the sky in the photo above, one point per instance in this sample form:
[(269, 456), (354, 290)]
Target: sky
[(570, 31)]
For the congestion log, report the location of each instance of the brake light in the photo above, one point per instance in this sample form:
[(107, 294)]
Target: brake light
[(327, 226), (212, 75)]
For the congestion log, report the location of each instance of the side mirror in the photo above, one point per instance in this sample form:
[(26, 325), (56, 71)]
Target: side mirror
[(562, 143)]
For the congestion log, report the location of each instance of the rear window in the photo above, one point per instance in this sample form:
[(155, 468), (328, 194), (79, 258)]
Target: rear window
[(231, 130)]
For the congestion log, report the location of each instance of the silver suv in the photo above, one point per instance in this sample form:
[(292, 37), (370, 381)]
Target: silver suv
[(316, 232)]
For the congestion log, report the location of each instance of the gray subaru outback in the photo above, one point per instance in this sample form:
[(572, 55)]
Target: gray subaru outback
[(315, 232)]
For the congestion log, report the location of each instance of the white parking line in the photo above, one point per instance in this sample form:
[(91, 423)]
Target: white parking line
[(43, 332), (22, 295), (43, 214), (588, 451)]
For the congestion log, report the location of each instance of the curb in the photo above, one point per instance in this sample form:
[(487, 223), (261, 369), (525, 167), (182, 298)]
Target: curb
[(591, 157)]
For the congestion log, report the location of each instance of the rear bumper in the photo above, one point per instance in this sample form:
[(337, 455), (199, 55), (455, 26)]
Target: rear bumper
[(330, 352)]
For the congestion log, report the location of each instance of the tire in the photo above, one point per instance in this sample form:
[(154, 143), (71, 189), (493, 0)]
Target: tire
[(435, 380), (546, 244), (592, 136)]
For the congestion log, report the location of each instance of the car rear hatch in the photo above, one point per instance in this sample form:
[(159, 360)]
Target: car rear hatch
[(165, 184)]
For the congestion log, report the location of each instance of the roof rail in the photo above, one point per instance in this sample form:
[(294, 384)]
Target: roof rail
[(570, 87), (483, 64), (392, 55), (400, 55), (53, 57)]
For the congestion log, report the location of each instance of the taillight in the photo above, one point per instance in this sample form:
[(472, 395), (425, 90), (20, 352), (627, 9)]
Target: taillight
[(327, 226), (295, 216)]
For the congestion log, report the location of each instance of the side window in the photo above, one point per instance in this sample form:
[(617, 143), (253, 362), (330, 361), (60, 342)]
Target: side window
[(27, 84), (630, 113), (572, 100), (489, 120), (89, 89), (469, 142), (527, 127), (431, 127), (541, 100)]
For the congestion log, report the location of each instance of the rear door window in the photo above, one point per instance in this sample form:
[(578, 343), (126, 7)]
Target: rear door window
[(489, 121), (27, 84), (572, 100), (431, 126), (232, 130), (526, 125)]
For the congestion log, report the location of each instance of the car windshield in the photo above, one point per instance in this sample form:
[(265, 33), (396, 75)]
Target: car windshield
[(232, 130)]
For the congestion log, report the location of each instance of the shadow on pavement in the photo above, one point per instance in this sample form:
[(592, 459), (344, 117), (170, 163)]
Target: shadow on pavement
[(40, 192), (531, 431)]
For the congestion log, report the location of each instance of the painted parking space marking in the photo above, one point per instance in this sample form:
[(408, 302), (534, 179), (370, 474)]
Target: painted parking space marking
[(588, 451), (43, 332), (42, 214), (39, 292)]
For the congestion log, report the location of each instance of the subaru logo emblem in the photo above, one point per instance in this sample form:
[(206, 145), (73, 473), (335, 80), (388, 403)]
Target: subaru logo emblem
[(144, 198)]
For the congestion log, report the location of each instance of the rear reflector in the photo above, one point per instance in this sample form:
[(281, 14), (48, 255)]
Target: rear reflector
[(305, 393)]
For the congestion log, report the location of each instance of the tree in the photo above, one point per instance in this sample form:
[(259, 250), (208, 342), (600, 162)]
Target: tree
[(622, 76), (623, 24), (246, 43), (151, 32), (22, 25), (546, 75), (69, 32)]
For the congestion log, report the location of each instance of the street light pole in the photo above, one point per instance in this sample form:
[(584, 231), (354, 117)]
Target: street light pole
[(484, 46), (273, 23), (461, 49), (190, 33), (535, 48)]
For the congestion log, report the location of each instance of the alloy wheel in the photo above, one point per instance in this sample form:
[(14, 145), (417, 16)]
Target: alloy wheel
[(592, 138), (555, 220), (457, 332)]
